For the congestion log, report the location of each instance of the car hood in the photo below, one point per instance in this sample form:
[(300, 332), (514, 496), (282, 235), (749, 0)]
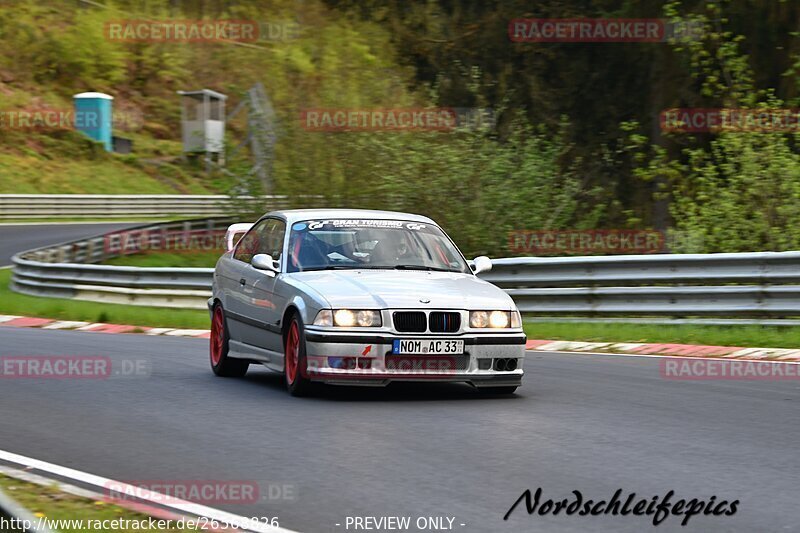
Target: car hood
[(394, 289)]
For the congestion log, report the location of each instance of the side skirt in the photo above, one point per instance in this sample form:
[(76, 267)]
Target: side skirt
[(271, 360)]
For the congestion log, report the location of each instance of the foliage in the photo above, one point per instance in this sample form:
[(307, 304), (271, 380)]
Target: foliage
[(740, 191), (741, 194), (577, 143)]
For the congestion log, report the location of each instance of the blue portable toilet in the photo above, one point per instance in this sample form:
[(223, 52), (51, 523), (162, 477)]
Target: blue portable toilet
[(93, 116)]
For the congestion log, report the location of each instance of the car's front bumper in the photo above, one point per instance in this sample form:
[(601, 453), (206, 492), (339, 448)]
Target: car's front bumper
[(489, 360)]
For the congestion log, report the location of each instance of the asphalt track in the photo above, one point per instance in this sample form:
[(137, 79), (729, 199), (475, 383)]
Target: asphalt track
[(580, 422), (19, 237)]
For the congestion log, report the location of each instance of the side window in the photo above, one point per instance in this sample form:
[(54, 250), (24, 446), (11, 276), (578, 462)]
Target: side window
[(272, 239), (251, 243)]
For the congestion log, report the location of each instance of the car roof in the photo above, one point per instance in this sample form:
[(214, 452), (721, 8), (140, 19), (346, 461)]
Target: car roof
[(296, 215)]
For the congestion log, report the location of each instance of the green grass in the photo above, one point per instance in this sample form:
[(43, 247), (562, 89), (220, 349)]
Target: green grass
[(12, 303), (56, 505), (746, 336), (67, 162), (200, 259), (30, 174)]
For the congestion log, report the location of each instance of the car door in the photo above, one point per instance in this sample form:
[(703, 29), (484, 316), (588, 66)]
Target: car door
[(262, 304), (239, 283)]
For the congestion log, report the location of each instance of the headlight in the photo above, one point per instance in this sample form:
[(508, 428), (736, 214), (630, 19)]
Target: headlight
[(324, 318), (347, 318), (344, 318), (494, 319), (479, 319), (368, 319), (499, 319)]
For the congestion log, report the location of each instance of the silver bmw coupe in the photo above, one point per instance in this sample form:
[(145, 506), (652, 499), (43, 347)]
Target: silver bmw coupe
[(358, 297)]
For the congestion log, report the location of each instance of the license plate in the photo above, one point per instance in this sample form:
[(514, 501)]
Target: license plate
[(427, 347)]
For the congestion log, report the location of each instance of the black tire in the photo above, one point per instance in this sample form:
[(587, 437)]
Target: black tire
[(300, 385), (499, 390), (222, 365)]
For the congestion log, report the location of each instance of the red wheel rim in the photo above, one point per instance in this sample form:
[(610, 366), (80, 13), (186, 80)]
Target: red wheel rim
[(292, 352), (217, 336)]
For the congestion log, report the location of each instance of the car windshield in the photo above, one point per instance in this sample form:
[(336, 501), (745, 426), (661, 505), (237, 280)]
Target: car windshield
[(371, 244)]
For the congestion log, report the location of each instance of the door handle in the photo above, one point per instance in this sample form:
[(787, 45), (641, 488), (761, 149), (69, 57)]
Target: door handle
[(242, 282)]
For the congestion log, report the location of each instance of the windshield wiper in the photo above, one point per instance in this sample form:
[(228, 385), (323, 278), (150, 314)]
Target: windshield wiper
[(379, 267), (344, 267), (423, 267)]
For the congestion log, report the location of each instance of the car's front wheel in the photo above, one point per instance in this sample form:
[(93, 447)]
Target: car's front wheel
[(294, 359), (221, 364)]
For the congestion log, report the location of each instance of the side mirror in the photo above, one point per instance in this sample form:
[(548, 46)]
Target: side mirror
[(481, 264), (266, 263)]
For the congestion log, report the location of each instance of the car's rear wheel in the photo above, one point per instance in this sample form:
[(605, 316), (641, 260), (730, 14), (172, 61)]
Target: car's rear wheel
[(498, 390), (221, 364), (294, 359)]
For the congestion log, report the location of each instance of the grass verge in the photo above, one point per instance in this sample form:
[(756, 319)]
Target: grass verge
[(201, 259), (53, 504), (12, 303), (740, 335)]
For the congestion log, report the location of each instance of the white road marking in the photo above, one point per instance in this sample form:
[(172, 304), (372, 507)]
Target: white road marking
[(760, 353), (144, 495), (90, 327), (25, 475), (627, 346), (591, 346), (157, 331), (65, 324), (187, 332)]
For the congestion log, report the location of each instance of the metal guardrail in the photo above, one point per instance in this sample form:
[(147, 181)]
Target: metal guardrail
[(659, 269), (762, 284), (36, 206), (680, 285), (67, 271)]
